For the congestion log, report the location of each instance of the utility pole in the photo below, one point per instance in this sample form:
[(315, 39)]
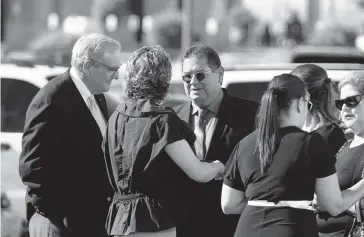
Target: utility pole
[(137, 7), (187, 19), (332, 9), (5, 13), (313, 10), (57, 8)]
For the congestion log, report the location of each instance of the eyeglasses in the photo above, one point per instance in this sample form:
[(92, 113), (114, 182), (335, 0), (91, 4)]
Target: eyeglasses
[(200, 76), (350, 102), (309, 104), (114, 70)]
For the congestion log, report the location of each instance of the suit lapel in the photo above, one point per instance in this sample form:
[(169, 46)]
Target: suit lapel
[(221, 126), (79, 106)]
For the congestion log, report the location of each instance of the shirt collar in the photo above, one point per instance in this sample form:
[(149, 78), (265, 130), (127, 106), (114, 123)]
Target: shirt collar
[(213, 106), (80, 85), (141, 108)]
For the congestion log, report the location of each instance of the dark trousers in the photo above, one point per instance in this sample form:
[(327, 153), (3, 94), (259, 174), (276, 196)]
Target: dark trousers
[(40, 226)]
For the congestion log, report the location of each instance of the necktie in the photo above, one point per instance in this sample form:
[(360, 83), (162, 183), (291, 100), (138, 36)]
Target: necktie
[(96, 113), (200, 124)]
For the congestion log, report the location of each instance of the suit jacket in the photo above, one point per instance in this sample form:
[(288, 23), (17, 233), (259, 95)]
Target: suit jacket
[(62, 161), (236, 119)]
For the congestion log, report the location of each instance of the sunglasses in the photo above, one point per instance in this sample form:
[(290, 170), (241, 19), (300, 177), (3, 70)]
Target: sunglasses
[(200, 76), (309, 104), (350, 102)]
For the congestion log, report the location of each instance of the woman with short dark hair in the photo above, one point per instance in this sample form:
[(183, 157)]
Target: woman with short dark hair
[(273, 173)]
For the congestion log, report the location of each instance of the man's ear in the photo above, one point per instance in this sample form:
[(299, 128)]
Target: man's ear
[(87, 67), (299, 104), (221, 74)]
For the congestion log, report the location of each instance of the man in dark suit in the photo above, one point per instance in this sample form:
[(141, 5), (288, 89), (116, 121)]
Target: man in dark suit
[(219, 121), (62, 161)]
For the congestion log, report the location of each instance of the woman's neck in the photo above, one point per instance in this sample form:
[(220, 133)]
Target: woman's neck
[(288, 123), (312, 123)]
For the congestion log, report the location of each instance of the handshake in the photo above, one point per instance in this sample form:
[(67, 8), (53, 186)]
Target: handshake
[(220, 174)]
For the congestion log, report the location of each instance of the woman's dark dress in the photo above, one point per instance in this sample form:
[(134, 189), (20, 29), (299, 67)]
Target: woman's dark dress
[(151, 191), (300, 159), (347, 165), (333, 135)]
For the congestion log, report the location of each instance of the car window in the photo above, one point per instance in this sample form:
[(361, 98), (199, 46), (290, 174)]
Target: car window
[(327, 59), (248, 90), (16, 96)]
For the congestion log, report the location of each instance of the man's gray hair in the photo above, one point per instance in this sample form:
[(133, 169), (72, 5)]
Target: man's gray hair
[(355, 79), (91, 47)]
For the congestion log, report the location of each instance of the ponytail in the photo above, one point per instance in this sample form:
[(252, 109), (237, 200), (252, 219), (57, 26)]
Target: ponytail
[(268, 127)]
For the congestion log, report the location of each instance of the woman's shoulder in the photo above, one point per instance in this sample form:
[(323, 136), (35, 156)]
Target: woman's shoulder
[(167, 115), (329, 130), (249, 139), (333, 135)]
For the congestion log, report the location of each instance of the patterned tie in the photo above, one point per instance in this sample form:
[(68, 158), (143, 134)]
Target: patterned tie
[(200, 124), (96, 113)]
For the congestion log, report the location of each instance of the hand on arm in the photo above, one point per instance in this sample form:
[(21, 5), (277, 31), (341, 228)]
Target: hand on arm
[(332, 199), (182, 154)]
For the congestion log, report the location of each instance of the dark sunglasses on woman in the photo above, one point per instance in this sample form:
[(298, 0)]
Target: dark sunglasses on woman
[(350, 102)]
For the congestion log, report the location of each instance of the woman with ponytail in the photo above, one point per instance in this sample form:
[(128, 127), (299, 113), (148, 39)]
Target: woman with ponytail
[(273, 173)]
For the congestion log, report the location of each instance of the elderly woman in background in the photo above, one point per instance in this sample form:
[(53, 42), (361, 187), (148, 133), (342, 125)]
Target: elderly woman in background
[(323, 117), (151, 165), (350, 159)]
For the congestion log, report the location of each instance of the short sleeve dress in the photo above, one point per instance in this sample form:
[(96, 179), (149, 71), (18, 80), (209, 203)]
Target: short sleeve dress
[(333, 135), (151, 192), (299, 159)]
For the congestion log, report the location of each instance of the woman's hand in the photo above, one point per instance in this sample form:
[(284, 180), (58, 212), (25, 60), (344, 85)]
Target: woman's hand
[(220, 175)]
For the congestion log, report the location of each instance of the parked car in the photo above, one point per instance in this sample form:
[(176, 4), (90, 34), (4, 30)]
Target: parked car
[(251, 80), (12, 223), (297, 54)]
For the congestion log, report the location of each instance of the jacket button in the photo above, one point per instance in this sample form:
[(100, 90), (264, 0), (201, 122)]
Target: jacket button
[(109, 199)]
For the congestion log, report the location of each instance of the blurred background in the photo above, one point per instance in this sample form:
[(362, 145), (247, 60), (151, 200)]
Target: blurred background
[(256, 40), (45, 30)]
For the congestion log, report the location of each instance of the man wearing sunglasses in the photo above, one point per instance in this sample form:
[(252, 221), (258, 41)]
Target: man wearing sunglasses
[(219, 121), (62, 162)]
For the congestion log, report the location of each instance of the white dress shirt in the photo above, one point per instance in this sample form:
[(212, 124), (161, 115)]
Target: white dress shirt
[(89, 100)]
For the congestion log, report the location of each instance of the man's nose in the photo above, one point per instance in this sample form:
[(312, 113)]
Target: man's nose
[(116, 75), (345, 107), (194, 79)]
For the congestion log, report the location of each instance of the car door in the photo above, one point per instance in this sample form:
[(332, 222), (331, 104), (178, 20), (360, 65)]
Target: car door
[(16, 96)]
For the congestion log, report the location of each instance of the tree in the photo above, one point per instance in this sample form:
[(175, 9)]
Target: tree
[(5, 14), (241, 23), (167, 31), (333, 34)]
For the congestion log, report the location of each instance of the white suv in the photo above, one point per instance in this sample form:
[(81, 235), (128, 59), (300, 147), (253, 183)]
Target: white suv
[(19, 84)]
